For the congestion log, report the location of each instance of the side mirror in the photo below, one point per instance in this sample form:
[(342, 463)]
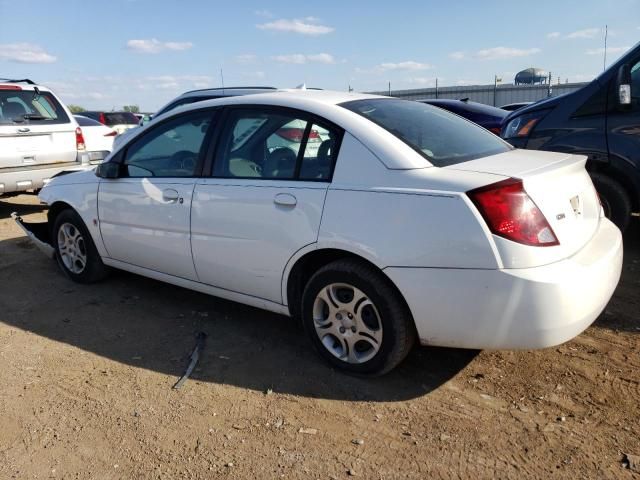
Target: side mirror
[(108, 170), (623, 86)]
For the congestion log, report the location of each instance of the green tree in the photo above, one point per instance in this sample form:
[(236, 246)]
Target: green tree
[(76, 108), (131, 108)]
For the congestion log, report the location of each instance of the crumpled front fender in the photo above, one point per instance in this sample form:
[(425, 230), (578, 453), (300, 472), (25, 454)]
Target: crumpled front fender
[(38, 233)]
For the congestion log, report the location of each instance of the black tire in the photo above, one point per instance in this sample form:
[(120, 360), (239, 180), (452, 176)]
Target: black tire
[(615, 200), (391, 313), (94, 270)]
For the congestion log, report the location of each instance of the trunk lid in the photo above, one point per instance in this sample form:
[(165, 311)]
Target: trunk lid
[(561, 188)]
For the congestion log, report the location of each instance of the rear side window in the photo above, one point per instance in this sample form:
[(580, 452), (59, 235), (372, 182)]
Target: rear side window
[(275, 145), (440, 137), (28, 107)]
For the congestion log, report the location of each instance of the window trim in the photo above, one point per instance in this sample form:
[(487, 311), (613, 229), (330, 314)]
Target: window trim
[(309, 117), (204, 148)]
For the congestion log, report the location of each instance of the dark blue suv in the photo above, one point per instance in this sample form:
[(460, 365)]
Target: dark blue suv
[(601, 121)]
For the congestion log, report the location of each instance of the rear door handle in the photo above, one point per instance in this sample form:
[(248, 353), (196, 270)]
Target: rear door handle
[(285, 199), (171, 195)]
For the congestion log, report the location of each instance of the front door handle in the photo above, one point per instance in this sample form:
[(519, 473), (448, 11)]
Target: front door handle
[(171, 195), (285, 199)]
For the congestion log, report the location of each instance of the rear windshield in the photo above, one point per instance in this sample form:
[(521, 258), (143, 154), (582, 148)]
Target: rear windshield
[(120, 118), (439, 136), (86, 122), (28, 107)]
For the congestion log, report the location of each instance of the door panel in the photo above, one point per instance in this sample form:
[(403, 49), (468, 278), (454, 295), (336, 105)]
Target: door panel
[(244, 231), (145, 222), (145, 216)]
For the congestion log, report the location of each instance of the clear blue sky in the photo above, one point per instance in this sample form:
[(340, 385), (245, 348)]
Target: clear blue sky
[(104, 54)]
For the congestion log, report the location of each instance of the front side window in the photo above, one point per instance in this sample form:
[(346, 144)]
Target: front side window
[(275, 145), (442, 138), (172, 149), (29, 107)]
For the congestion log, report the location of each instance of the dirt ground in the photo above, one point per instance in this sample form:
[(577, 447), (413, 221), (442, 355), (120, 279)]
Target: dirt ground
[(86, 376)]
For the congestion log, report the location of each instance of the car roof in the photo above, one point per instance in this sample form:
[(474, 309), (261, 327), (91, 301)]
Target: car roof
[(390, 150), (24, 84)]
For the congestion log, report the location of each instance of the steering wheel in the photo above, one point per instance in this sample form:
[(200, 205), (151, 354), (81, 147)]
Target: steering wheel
[(183, 160)]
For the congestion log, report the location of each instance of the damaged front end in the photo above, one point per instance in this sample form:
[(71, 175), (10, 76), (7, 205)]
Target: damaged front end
[(38, 233)]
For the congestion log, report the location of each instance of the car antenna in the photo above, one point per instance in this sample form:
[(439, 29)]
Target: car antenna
[(222, 80), (465, 99), (302, 86)]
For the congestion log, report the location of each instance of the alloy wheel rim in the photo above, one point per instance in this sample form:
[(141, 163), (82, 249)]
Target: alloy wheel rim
[(72, 248), (347, 323)]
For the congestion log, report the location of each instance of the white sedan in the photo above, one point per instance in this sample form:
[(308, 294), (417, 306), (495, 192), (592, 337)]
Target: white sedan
[(407, 224), (98, 138)]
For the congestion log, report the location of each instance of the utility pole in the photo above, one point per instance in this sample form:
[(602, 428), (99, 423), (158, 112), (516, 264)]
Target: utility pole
[(222, 80), (436, 87), (549, 87), (389, 88), (496, 80), (604, 62)]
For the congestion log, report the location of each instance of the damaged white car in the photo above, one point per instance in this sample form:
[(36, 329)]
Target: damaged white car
[(405, 224)]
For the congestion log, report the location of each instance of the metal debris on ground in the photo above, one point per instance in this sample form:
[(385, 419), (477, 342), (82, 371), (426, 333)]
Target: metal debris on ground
[(195, 355)]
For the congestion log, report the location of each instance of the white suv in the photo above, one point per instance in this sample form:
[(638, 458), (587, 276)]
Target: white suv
[(39, 137)]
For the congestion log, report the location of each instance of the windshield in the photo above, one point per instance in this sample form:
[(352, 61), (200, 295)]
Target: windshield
[(27, 106), (439, 136)]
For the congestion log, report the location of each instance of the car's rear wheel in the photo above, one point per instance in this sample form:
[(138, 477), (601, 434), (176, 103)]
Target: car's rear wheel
[(615, 200), (75, 251), (356, 319)]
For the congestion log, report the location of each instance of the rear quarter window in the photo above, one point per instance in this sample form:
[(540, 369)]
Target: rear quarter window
[(439, 136)]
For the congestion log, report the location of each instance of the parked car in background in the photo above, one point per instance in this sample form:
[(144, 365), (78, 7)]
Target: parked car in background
[(407, 223), (515, 106), (484, 115), (119, 121), (98, 138), (601, 121), (39, 137)]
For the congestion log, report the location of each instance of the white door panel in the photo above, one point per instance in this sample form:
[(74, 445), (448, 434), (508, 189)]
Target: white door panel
[(145, 222), (245, 231)]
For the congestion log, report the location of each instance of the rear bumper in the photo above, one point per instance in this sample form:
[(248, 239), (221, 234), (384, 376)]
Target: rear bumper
[(33, 178), (514, 308)]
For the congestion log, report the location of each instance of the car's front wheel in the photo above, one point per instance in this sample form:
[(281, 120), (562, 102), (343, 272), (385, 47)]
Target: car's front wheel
[(75, 251), (356, 319)]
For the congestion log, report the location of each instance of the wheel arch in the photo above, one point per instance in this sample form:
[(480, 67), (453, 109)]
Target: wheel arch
[(310, 260)]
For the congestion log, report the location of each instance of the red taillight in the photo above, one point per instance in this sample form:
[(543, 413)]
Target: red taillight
[(510, 213), (79, 139), (296, 134), (291, 134), (112, 133), (102, 119), (10, 87)]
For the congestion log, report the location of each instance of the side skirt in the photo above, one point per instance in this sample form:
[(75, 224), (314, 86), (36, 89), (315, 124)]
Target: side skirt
[(200, 287)]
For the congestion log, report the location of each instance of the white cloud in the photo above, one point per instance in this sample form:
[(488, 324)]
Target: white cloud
[(586, 33), (408, 65), (554, 35), (300, 58), (25, 53), (600, 51), (153, 45), (303, 26), (457, 55), (246, 58), (498, 53)]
